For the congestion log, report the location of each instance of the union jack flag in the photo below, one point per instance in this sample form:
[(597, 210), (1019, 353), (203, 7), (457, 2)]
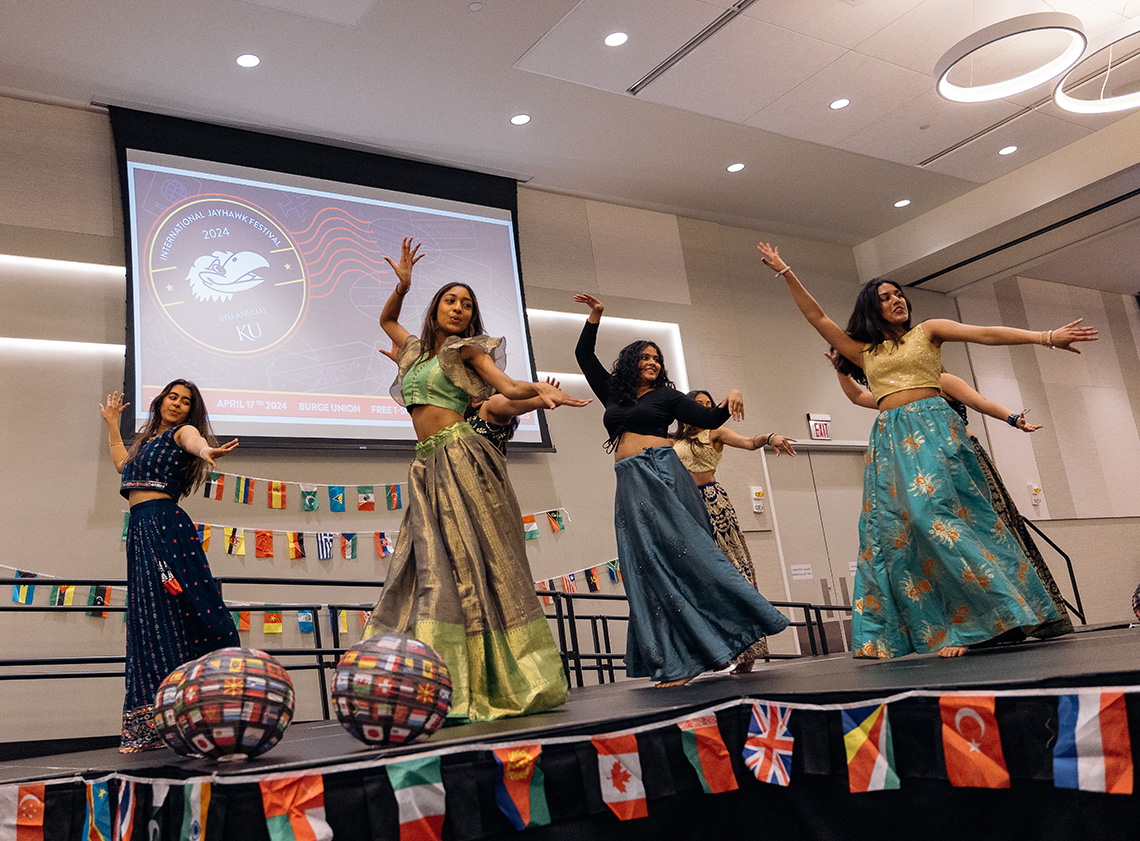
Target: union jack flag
[(768, 749)]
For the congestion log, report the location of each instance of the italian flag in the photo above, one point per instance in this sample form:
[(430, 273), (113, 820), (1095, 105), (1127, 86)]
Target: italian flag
[(295, 809), (619, 768), (418, 785), (706, 752)]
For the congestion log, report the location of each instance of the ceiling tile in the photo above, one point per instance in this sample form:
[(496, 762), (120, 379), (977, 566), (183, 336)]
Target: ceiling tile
[(740, 69), (925, 126), (573, 50), (1034, 134), (834, 21), (344, 12), (874, 87)]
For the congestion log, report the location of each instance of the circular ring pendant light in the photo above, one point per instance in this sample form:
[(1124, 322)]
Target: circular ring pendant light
[(1118, 34), (999, 31)]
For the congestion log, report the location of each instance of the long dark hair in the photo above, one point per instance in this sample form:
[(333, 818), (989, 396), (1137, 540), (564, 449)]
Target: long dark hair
[(868, 325), (686, 431), (194, 472), (627, 374), (431, 320)]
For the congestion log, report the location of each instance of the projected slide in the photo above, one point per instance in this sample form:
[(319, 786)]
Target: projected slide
[(266, 289)]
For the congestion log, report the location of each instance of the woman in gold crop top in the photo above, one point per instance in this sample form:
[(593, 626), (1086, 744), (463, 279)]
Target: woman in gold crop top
[(937, 569), (459, 579), (700, 451)]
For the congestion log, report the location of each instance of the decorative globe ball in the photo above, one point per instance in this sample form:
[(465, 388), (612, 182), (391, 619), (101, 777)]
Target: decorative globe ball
[(233, 704), (167, 700), (391, 689)]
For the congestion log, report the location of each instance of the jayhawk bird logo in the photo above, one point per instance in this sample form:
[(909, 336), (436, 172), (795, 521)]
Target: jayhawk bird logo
[(217, 276)]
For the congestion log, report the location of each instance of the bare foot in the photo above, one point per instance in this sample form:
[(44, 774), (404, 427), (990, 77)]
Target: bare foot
[(680, 682), (952, 651), (741, 669)]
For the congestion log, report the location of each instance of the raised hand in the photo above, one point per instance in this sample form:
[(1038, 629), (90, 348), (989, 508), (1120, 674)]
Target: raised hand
[(735, 403), (393, 354), (1064, 337), (782, 444), (113, 409), (1026, 426), (210, 455), (409, 256), (596, 306), (770, 254)]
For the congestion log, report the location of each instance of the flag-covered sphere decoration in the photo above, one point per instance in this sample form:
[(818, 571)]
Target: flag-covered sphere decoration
[(166, 700), (391, 689), (231, 704)]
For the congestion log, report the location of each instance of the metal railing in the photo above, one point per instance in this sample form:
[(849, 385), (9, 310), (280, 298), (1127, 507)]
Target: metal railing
[(598, 659), (1078, 609)]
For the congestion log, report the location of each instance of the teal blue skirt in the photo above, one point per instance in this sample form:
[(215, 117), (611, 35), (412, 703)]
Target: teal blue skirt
[(936, 565), (690, 609)]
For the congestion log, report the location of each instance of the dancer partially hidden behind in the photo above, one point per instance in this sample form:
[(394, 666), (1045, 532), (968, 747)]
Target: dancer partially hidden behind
[(700, 451), (937, 569), (690, 611), (174, 610), (960, 395), (459, 578)]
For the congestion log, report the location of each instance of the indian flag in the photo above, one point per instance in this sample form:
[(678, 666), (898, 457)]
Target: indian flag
[(418, 785), (530, 527)]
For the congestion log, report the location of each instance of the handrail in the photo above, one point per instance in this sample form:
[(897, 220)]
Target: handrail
[(602, 661), (1079, 609)]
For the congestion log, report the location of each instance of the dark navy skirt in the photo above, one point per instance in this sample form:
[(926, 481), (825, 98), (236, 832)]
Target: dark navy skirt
[(166, 630), (690, 609)]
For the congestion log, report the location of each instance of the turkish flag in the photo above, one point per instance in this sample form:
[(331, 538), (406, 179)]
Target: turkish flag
[(971, 742)]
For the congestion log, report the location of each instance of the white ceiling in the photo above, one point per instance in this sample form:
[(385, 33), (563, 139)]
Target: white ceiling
[(438, 81)]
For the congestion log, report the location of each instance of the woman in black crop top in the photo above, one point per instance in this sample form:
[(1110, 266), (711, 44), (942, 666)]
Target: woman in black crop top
[(174, 610), (690, 611)]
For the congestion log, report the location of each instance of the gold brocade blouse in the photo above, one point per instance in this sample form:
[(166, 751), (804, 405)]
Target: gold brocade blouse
[(913, 361), (699, 455), (445, 379)]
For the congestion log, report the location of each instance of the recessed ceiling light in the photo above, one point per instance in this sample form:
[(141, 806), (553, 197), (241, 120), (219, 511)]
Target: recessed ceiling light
[(839, 103), (1008, 150), (475, 6), (902, 202), (520, 119), (735, 167), (616, 39), (248, 60)]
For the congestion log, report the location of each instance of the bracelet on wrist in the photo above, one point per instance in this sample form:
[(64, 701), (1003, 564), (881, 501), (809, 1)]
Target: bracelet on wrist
[(1012, 419), (1049, 340), (784, 270), (398, 292), (207, 447)]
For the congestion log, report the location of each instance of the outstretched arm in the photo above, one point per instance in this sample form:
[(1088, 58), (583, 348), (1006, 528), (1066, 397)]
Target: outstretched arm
[(812, 311), (963, 392), (501, 410), (512, 389), (779, 443), (945, 330), (192, 441), (111, 413), (390, 315)]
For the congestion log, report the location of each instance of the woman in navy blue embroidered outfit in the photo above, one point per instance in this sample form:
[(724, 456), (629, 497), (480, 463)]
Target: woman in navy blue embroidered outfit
[(689, 609), (174, 610)]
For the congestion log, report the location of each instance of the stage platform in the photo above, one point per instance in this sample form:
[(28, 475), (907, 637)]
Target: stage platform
[(1025, 678)]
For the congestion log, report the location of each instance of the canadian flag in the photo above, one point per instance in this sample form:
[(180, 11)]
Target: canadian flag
[(619, 768)]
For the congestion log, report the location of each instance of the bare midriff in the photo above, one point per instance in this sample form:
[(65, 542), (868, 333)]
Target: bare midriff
[(909, 395), (135, 497), (704, 477), (632, 443), (428, 420)]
